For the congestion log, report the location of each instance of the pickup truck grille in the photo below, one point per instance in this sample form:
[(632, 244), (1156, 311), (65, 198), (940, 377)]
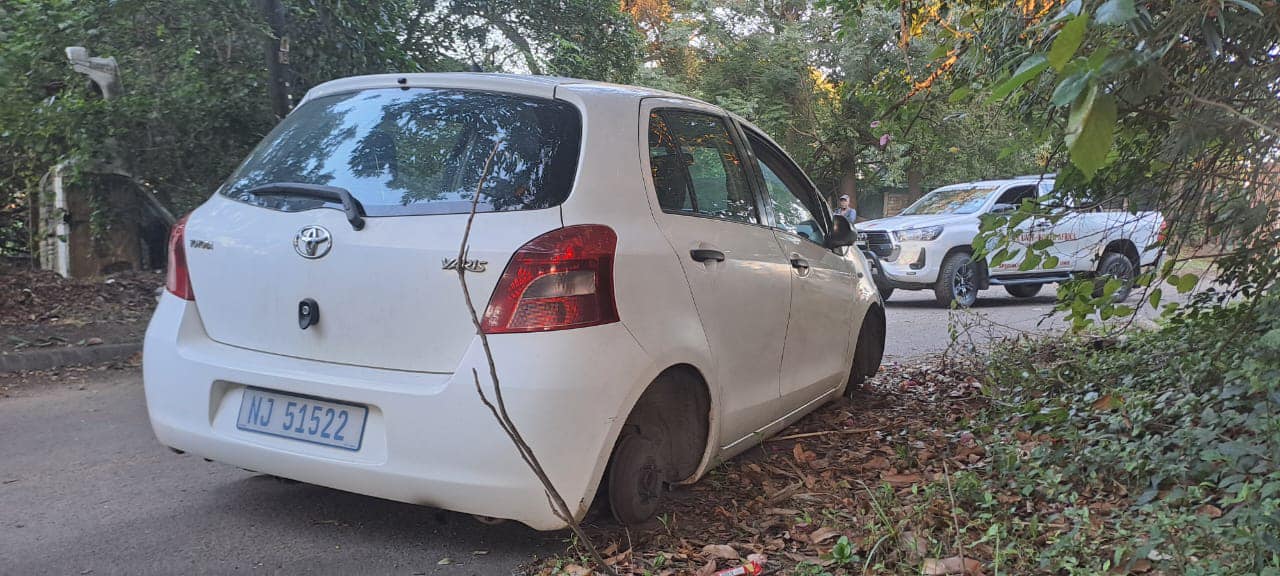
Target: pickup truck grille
[(877, 241)]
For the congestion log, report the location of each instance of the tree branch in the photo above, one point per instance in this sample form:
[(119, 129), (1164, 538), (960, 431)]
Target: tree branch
[(499, 411)]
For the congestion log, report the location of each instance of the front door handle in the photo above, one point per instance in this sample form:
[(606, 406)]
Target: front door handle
[(706, 255), (800, 264)]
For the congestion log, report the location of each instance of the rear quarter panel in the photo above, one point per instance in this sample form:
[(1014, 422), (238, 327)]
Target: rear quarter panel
[(653, 297)]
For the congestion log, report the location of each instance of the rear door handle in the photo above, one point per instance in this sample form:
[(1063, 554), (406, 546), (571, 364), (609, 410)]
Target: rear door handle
[(706, 254), (799, 263)]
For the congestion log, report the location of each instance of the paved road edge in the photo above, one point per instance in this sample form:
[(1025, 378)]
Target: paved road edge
[(59, 357)]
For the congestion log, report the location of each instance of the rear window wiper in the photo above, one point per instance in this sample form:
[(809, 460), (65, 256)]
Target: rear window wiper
[(351, 206)]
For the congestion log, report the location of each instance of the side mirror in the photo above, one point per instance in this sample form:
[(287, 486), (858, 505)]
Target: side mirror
[(842, 233), (998, 208)]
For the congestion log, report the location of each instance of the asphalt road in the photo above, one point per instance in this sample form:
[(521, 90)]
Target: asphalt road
[(86, 489)]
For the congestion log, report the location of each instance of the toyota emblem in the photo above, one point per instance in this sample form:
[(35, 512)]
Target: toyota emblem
[(312, 242)]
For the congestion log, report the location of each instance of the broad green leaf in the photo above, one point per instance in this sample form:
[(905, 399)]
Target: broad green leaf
[(1099, 57), (1068, 41), (1018, 217), (1028, 70), (1070, 87), (1109, 289), (1122, 310), (1090, 130), (1250, 6), (959, 95), (1031, 263), (1185, 283), (1154, 297), (1002, 256), (1050, 262), (1116, 12), (1042, 244), (939, 51)]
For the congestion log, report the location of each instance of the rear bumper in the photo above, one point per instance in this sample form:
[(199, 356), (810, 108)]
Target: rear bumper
[(428, 440)]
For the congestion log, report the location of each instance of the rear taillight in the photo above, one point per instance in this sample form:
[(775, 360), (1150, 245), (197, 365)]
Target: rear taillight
[(178, 281), (562, 279)]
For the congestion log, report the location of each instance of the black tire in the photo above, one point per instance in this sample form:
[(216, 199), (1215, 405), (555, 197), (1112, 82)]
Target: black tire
[(957, 281), (636, 478), (1115, 265), (1023, 290), (885, 292), (869, 351)]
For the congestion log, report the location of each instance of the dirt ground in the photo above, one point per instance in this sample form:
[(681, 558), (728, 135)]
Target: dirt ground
[(39, 309), (830, 480)]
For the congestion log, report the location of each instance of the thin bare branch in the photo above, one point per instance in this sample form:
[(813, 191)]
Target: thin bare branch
[(499, 410)]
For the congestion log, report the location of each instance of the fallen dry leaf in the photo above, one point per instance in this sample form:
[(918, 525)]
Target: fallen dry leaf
[(802, 455), (1210, 510), (877, 463), (720, 551), (823, 534), (1107, 402), (913, 545), (900, 480), (707, 569), (952, 565)]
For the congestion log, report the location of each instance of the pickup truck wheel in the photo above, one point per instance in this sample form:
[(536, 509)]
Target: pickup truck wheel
[(1115, 265), (957, 281), (1023, 290)]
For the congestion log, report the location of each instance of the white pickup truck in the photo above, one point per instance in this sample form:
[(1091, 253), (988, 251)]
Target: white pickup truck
[(929, 246)]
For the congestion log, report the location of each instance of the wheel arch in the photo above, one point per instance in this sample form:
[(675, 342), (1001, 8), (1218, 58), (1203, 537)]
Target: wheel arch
[(1123, 246), (681, 396)]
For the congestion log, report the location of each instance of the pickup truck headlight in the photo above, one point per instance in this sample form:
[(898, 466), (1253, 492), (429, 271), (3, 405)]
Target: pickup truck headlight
[(922, 234)]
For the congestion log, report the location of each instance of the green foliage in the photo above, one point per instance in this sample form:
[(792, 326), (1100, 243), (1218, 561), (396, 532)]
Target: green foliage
[(1160, 446), (829, 89), (1167, 106), (1068, 41), (196, 82), (1091, 129)]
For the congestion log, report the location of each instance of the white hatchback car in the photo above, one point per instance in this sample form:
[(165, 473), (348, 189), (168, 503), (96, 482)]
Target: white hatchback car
[(661, 286)]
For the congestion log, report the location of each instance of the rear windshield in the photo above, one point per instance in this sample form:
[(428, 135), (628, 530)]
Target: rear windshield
[(420, 151)]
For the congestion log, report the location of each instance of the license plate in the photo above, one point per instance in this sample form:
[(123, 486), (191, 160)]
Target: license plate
[(301, 418)]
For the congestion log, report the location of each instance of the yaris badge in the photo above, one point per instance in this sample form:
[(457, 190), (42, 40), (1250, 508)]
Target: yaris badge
[(312, 242)]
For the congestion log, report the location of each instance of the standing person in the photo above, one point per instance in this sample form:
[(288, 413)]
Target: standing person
[(847, 211)]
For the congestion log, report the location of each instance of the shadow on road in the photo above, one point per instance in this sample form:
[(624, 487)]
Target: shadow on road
[(288, 505), (982, 303)]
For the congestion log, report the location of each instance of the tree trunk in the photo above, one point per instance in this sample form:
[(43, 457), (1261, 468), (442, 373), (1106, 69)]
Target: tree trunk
[(915, 183), (277, 57), (849, 186)]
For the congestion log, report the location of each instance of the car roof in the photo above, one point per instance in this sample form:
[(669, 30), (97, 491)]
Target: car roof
[(1024, 180), (532, 85)]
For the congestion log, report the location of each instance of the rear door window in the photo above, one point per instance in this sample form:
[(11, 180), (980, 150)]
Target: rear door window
[(697, 168), (420, 151)]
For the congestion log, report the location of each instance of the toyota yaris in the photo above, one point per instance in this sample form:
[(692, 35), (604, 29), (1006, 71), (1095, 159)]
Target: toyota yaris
[(661, 285)]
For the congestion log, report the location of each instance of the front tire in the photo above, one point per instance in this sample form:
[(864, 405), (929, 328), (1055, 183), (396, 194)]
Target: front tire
[(869, 352), (1115, 265), (1023, 290), (885, 292), (957, 281)]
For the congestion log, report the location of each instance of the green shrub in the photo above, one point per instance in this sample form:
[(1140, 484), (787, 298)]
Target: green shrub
[(1159, 446)]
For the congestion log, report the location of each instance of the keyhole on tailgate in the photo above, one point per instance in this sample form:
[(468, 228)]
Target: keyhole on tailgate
[(308, 313)]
